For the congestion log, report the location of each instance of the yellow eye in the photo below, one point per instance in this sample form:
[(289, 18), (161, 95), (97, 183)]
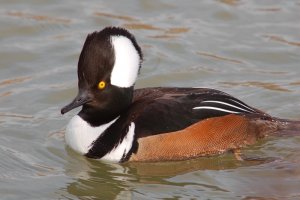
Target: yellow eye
[(101, 85)]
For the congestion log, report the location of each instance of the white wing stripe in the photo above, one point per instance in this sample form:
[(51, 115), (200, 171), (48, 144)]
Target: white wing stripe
[(215, 108), (227, 104), (242, 105)]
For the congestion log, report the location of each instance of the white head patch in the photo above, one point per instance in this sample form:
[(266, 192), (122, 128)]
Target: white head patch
[(127, 62)]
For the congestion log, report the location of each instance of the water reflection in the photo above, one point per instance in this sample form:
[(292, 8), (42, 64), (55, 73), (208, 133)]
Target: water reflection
[(282, 40), (36, 17), (99, 179), (265, 85), (94, 179), (220, 57), (114, 16)]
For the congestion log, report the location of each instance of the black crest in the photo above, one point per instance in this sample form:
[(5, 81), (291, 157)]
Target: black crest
[(97, 56)]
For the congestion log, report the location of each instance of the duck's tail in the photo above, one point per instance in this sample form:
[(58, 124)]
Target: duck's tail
[(288, 127)]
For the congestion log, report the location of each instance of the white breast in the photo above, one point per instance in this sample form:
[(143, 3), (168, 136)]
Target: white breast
[(80, 135)]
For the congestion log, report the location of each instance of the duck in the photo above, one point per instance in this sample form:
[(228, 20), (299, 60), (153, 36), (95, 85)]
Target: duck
[(118, 123)]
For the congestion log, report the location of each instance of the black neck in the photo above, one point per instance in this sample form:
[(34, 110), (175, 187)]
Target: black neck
[(96, 118)]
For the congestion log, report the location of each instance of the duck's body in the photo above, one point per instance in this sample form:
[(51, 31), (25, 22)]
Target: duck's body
[(120, 124)]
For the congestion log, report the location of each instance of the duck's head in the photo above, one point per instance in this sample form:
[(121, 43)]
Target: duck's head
[(108, 66)]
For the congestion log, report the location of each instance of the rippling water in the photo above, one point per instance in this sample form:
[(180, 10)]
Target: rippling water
[(250, 49)]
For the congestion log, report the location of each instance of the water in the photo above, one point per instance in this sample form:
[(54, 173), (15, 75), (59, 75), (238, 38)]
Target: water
[(250, 49)]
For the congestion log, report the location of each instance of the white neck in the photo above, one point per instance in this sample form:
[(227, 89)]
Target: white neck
[(127, 62)]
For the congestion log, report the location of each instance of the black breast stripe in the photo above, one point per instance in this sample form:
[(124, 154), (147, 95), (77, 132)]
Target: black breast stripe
[(110, 138)]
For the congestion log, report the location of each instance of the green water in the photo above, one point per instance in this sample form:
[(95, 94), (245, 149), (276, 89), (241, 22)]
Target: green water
[(250, 49)]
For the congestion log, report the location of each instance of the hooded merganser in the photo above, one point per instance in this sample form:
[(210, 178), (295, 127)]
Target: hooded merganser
[(118, 123)]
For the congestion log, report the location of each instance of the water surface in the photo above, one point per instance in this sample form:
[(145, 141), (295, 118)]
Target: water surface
[(250, 49)]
